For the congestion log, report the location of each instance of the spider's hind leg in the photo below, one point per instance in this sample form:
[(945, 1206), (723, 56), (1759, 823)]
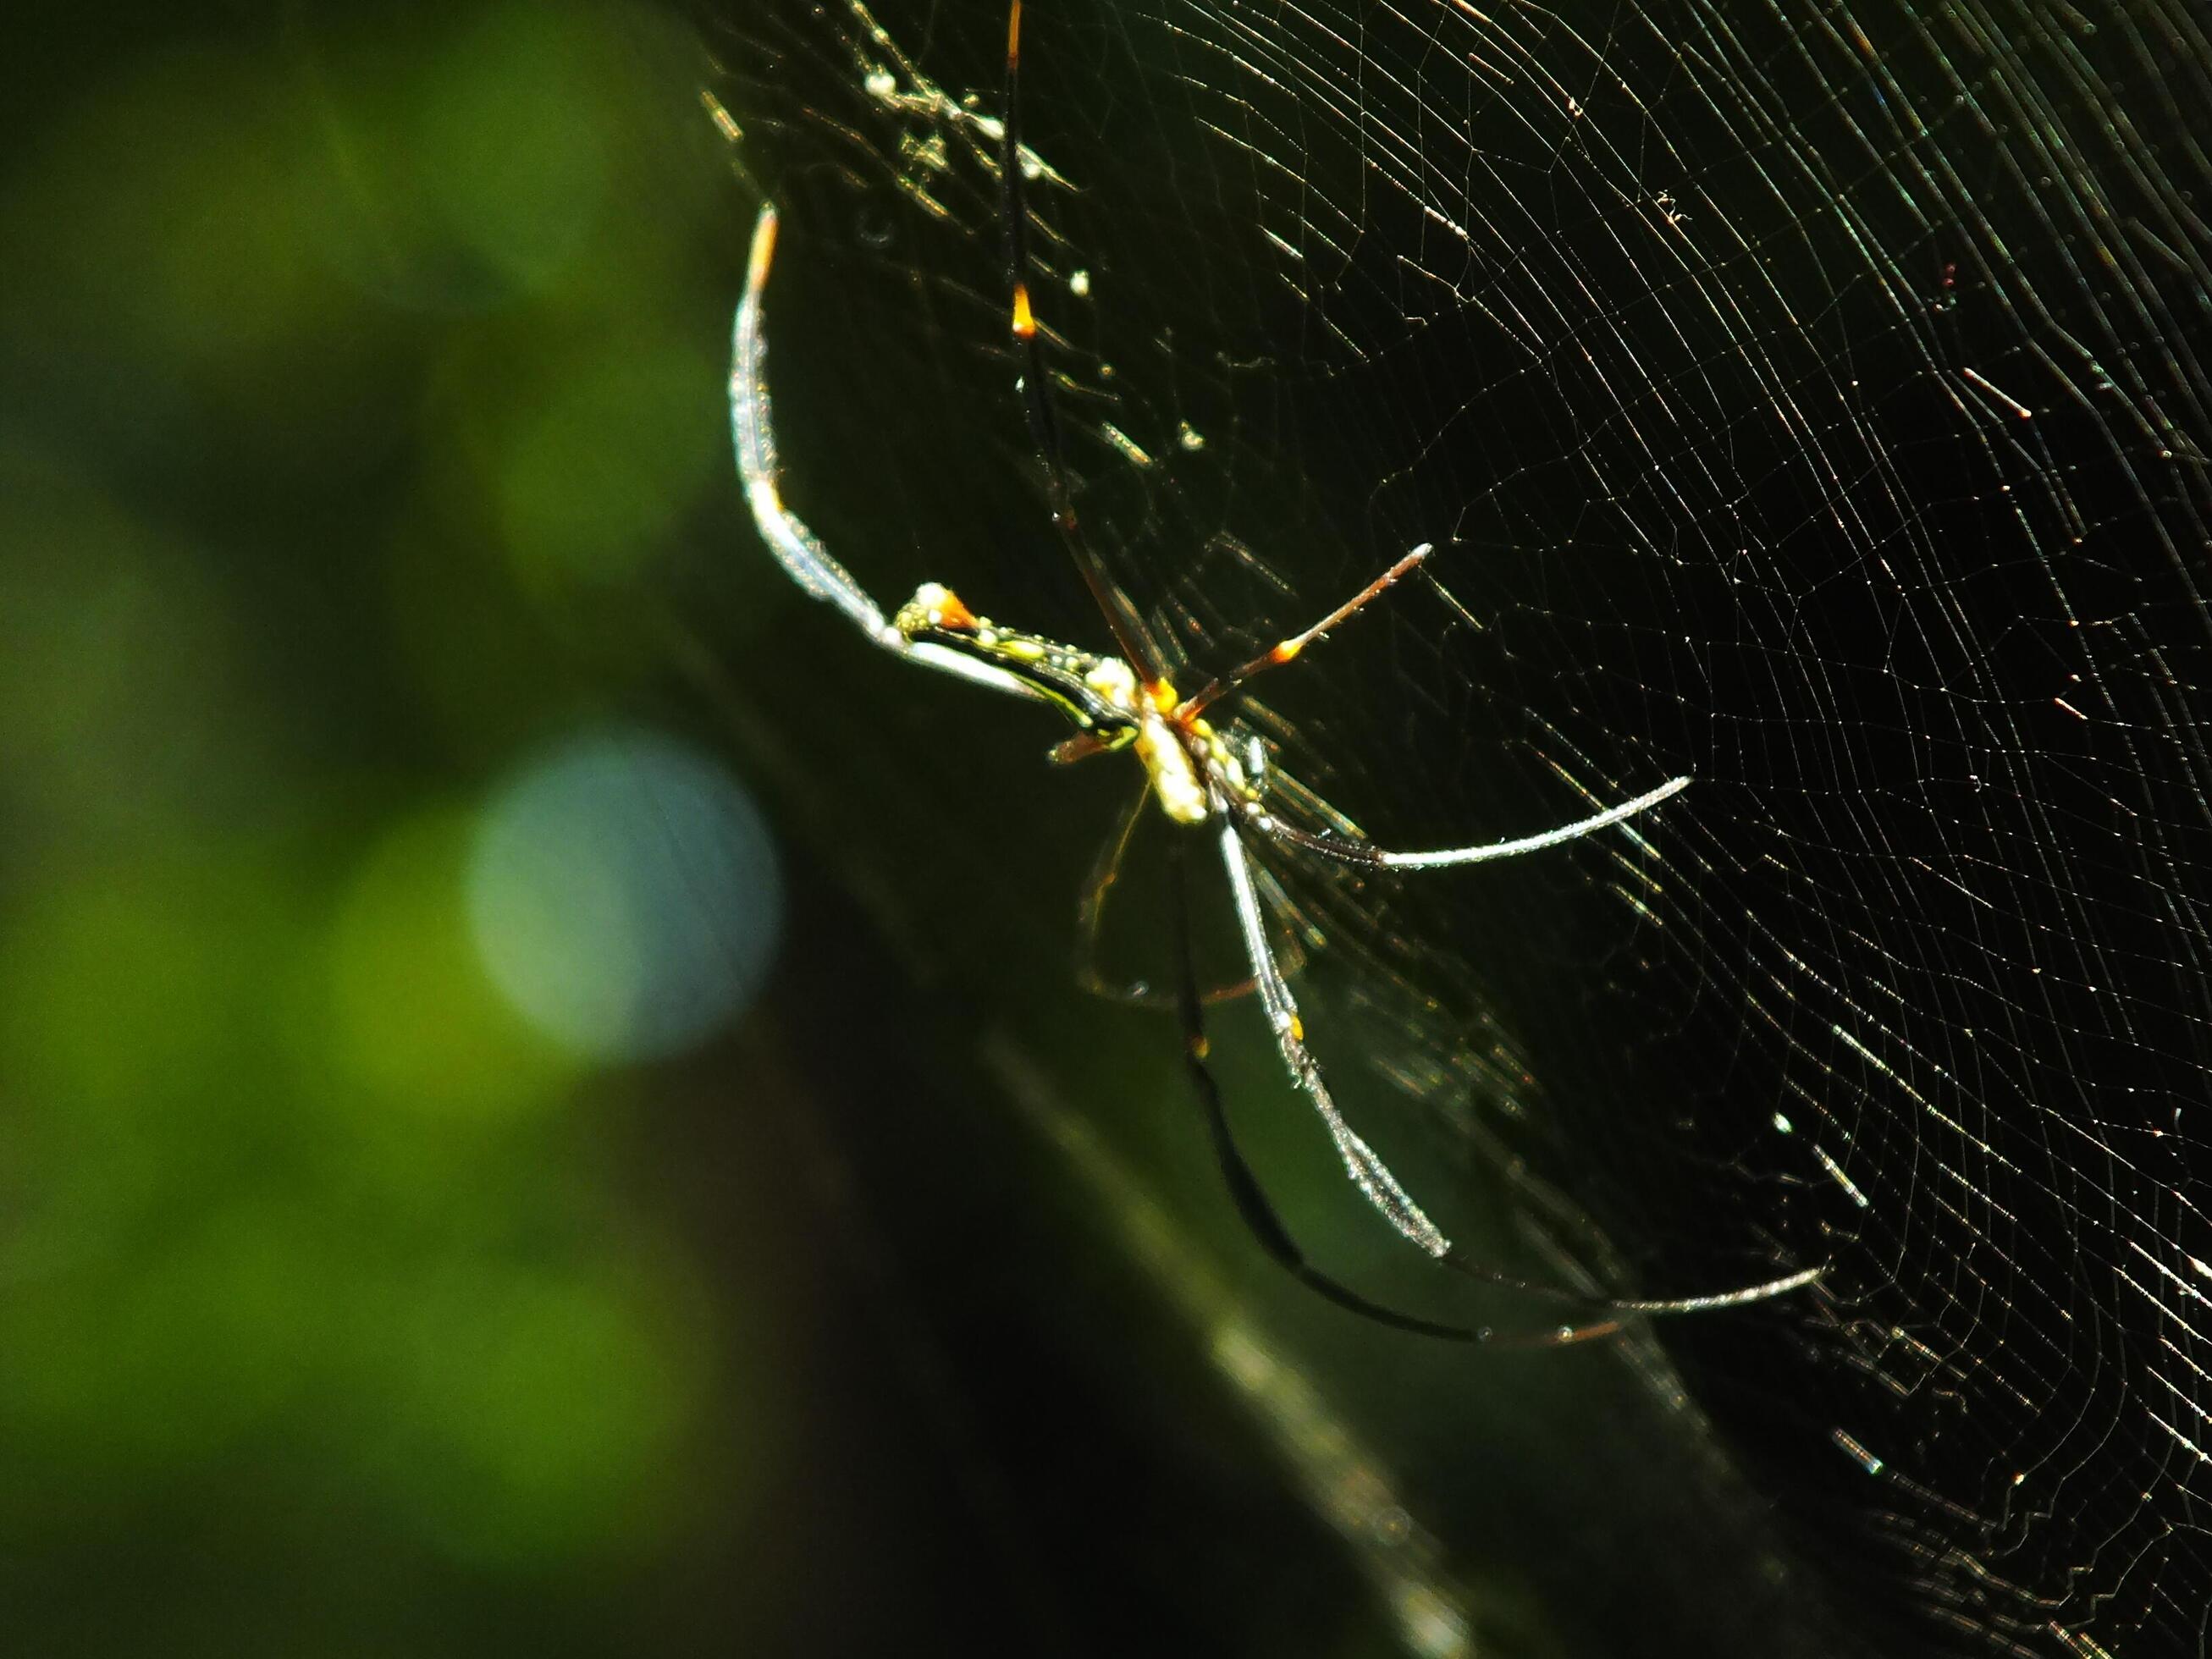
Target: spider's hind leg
[(1252, 1206), (1368, 1172), (1091, 919)]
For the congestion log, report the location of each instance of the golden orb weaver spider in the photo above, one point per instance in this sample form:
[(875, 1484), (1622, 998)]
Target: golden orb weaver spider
[(1128, 701)]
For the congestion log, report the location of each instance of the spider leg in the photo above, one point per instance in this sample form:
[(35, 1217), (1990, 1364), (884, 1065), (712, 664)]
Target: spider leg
[(1090, 912), (1271, 782), (752, 421), (797, 548), (1371, 857), (1131, 637), (1253, 1206), (1287, 650), (1368, 1172), (1089, 919)]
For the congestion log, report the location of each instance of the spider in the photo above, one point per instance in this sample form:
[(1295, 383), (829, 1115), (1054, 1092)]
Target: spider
[(1126, 702)]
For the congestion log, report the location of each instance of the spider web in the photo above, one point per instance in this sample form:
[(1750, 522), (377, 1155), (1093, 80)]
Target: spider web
[(1810, 398)]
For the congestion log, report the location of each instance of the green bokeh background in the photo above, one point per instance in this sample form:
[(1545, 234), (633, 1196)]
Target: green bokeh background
[(351, 408), (362, 430)]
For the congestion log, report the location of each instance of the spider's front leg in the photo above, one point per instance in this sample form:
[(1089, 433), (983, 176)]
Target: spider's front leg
[(933, 608), (752, 421)]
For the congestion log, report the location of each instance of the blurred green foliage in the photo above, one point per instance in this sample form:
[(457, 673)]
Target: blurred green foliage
[(361, 375)]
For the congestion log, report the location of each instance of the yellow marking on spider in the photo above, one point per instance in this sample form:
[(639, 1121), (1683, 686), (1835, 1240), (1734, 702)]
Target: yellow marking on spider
[(1025, 318), (763, 251), (1286, 650)]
